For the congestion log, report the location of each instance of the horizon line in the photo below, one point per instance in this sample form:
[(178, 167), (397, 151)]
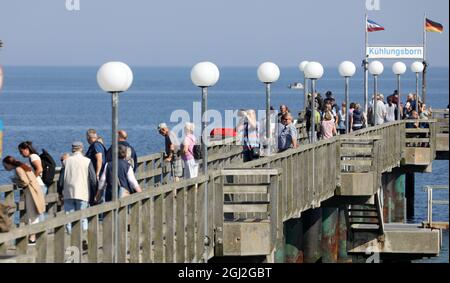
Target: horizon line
[(178, 66)]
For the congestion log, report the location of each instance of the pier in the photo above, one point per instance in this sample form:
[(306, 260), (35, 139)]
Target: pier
[(345, 199)]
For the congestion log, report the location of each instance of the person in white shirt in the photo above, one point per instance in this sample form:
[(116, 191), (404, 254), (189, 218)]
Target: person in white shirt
[(380, 110), (391, 111)]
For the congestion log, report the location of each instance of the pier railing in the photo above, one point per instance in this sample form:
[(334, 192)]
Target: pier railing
[(152, 171), (165, 223)]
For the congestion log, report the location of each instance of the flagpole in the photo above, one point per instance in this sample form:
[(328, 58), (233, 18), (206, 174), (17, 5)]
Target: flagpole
[(366, 71), (424, 78)]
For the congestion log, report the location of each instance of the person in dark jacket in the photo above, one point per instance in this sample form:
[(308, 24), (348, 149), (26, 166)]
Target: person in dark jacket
[(96, 152), (131, 153), (357, 119), (60, 183), (127, 180)]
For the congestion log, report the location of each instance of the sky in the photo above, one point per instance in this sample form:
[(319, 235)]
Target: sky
[(226, 32)]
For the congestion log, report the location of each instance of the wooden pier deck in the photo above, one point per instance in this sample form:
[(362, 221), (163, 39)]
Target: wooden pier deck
[(249, 203)]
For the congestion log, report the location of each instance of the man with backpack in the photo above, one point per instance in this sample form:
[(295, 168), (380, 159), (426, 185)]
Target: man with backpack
[(96, 152)]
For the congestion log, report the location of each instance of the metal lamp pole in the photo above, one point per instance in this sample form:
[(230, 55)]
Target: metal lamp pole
[(313, 111), (204, 75), (205, 168), (305, 92), (375, 100), (114, 78), (347, 114), (268, 118), (115, 167), (417, 92), (399, 97)]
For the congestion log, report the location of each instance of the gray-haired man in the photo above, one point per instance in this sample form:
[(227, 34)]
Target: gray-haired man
[(172, 148), (80, 182)]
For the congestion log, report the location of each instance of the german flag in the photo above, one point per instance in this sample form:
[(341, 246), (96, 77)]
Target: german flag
[(433, 26)]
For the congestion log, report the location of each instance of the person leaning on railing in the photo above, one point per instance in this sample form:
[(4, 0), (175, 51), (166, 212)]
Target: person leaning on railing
[(34, 197)]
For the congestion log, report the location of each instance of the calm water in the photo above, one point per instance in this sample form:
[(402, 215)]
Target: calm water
[(54, 106)]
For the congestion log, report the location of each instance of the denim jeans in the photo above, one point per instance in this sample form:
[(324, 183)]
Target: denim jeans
[(43, 215), (71, 205)]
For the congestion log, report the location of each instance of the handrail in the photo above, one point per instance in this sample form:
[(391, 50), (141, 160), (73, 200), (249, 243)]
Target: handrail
[(429, 189), (176, 208)]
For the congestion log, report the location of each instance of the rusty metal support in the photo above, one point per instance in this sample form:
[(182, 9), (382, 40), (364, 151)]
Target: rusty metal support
[(330, 236), (409, 194), (312, 226), (280, 253), (343, 256), (293, 247), (394, 196)]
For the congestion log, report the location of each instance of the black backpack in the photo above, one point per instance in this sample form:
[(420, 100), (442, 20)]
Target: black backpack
[(48, 168), (197, 152)]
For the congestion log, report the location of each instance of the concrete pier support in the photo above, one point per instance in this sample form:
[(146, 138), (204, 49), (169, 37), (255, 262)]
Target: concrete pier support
[(294, 241), (312, 226), (409, 194), (330, 236), (343, 256), (393, 184), (280, 248)]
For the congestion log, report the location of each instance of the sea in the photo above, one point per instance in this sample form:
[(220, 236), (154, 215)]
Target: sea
[(54, 106)]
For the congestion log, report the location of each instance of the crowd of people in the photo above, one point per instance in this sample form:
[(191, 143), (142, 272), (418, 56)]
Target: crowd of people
[(86, 177)]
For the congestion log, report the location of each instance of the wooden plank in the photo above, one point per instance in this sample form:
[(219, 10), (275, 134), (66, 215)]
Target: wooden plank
[(245, 189), (108, 237), (123, 234), (93, 236), (135, 232), (274, 217), (359, 162), (200, 220), (417, 130), (59, 244), (212, 207), (169, 225), (180, 222), (41, 247), (247, 172), (218, 215), (245, 208), (158, 217), (76, 240), (22, 245), (190, 219), (290, 186), (356, 151), (147, 227), (417, 140)]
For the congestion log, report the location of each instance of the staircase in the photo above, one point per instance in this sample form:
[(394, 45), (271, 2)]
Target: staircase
[(367, 217)]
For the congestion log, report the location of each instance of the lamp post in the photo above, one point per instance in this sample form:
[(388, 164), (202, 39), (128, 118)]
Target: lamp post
[(375, 68), (313, 71), (115, 77), (399, 68), (268, 73), (204, 75), (347, 69), (301, 67), (417, 67)]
